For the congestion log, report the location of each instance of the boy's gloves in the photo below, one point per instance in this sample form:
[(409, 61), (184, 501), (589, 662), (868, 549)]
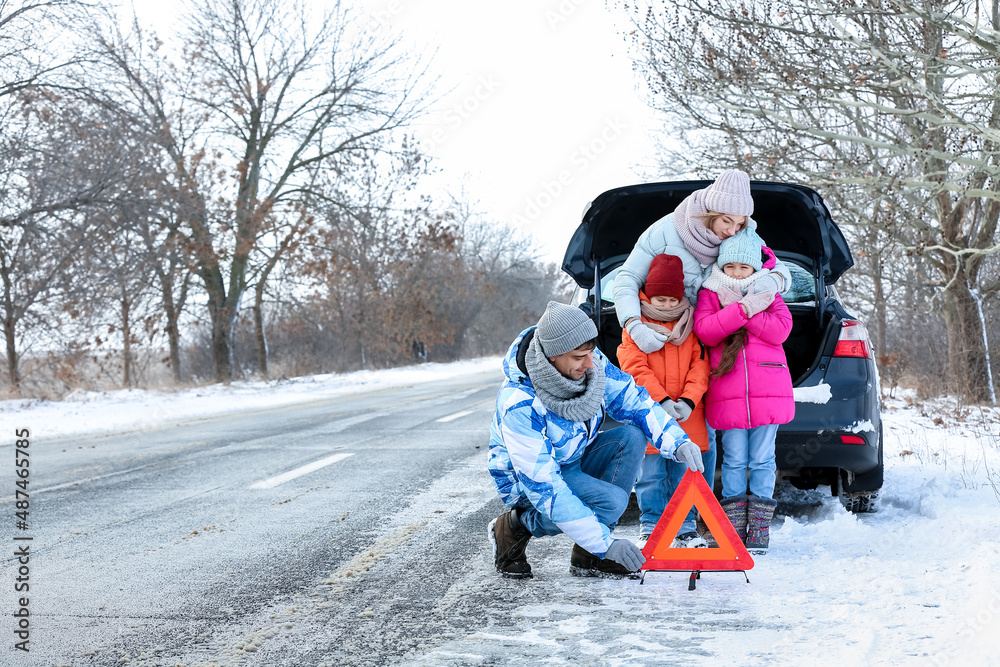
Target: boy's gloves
[(648, 340), (755, 303), (671, 408), (683, 409), (690, 454), (728, 295), (625, 554)]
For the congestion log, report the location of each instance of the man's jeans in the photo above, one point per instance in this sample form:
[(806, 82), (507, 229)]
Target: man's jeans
[(752, 449), (602, 479), (658, 479)]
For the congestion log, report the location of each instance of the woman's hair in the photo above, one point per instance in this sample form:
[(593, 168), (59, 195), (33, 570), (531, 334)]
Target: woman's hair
[(707, 218), (731, 347)]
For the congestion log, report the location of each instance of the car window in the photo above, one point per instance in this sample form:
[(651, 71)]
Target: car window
[(803, 285), (608, 285)]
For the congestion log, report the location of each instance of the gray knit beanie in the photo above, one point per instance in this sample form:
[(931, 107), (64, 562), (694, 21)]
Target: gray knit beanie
[(730, 194), (743, 247), (563, 328)]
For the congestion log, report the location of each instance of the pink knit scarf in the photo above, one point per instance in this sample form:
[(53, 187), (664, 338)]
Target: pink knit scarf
[(689, 222)]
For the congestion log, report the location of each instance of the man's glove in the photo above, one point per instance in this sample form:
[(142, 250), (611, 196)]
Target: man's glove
[(683, 409), (728, 295), (772, 282), (755, 303), (625, 554), (648, 340), (671, 408), (690, 454)]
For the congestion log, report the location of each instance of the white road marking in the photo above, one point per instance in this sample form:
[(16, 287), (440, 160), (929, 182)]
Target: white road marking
[(338, 426), (298, 472), (454, 416), (80, 481)]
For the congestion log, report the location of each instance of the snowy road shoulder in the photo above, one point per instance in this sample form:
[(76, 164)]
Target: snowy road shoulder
[(90, 413), (917, 583)]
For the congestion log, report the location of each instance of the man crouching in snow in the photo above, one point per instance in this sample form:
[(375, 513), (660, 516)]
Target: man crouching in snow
[(550, 464)]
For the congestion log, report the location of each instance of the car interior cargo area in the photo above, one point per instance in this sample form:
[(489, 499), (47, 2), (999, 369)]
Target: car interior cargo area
[(803, 348)]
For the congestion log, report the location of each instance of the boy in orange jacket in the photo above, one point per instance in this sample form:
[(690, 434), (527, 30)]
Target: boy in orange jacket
[(677, 377)]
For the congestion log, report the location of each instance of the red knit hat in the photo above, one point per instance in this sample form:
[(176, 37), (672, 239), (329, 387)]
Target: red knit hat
[(666, 277)]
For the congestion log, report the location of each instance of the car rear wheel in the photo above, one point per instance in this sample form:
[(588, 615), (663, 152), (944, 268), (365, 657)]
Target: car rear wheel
[(859, 493), (863, 503)]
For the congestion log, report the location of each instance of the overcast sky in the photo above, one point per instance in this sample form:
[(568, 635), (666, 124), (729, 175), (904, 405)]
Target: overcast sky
[(543, 114)]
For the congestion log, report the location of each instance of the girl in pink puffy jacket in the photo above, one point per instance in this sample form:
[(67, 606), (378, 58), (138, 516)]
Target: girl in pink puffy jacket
[(750, 388)]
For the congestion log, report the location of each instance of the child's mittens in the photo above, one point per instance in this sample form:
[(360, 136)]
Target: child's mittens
[(689, 453), (645, 338), (727, 296), (755, 303), (772, 282)]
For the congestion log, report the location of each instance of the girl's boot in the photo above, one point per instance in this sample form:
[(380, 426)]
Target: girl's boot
[(759, 523), (736, 511)]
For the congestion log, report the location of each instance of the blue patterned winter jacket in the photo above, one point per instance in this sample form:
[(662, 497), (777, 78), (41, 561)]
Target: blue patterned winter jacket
[(529, 444)]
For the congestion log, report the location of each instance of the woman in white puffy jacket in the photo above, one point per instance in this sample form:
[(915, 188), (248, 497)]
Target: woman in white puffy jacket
[(692, 232)]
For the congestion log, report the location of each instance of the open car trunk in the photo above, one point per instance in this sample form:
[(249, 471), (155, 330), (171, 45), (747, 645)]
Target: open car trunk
[(792, 219)]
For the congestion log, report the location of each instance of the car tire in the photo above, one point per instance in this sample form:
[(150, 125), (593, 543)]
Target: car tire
[(860, 496), (864, 503)]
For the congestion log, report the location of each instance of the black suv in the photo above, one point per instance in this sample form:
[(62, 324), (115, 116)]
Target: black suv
[(836, 436)]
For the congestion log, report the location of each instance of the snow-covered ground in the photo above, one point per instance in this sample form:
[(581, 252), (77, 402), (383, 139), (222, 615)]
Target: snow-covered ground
[(918, 582)]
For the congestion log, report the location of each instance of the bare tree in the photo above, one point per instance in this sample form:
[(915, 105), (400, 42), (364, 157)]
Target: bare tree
[(265, 96), (890, 105), (512, 284), (58, 162), (169, 260), (32, 46)]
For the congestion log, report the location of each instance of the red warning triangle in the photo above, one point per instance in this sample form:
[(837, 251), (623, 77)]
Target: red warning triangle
[(693, 491)]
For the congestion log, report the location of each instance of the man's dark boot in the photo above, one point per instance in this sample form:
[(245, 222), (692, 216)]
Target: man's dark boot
[(582, 563), (509, 539)]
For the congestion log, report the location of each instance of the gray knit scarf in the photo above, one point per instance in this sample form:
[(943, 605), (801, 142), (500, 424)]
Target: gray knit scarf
[(575, 400)]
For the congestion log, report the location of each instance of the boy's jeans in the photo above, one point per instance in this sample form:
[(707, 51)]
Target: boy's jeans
[(602, 478), (658, 479), (753, 450)]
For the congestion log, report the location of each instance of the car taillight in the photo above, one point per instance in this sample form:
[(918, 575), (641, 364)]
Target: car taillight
[(852, 440), (853, 341)]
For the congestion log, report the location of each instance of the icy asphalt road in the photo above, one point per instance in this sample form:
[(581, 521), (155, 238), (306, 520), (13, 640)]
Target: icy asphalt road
[(351, 531), (216, 542)]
